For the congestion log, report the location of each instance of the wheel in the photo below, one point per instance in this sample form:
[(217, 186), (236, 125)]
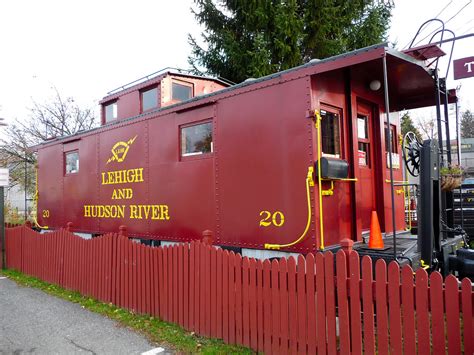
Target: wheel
[(411, 148)]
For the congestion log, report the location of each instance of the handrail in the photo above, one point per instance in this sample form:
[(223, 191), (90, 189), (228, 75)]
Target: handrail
[(35, 215)]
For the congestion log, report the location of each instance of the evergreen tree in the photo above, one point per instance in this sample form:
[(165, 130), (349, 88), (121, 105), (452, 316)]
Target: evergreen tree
[(407, 125), (245, 39), (467, 124)]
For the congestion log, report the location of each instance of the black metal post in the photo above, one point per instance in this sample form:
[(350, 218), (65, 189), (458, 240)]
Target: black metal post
[(448, 195), (459, 141), (387, 111), (440, 140), (458, 135), (438, 117)]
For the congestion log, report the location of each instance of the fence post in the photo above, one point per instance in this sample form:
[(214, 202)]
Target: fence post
[(123, 231), (207, 237), (69, 226), (346, 245)]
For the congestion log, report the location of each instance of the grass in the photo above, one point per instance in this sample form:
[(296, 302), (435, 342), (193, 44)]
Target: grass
[(156, 330)]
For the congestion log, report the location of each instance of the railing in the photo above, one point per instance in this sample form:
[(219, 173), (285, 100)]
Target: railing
[(314, 304)]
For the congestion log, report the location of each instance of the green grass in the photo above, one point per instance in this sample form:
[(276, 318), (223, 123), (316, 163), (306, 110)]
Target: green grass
[(156, 330)]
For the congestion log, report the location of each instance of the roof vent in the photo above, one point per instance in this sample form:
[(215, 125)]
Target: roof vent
[(314, 60), (249, 80)]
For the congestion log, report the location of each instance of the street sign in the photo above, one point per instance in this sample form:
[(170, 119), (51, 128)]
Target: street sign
[(463, 68), (4, 177)]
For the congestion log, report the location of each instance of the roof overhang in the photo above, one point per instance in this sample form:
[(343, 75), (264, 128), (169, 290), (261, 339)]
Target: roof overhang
[(410, 82)]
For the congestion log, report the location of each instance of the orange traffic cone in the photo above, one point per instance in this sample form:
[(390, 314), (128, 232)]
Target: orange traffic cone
[(375, 240)]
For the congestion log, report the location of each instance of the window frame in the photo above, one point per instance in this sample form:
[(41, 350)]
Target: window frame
[(107, 104), (66, 173), (394, 138), (195, 156), (335, 111), (144, 90), (367, 142), (182, 83)]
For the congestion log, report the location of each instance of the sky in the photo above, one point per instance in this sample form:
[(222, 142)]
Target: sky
[(86, 48)]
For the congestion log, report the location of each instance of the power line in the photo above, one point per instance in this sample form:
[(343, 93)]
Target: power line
[(444, 8), (436, 16), (439, 28), (470, 28)]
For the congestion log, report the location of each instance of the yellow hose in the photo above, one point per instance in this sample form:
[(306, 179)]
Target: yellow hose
[(309, 179), (35, 216), (310, 182)]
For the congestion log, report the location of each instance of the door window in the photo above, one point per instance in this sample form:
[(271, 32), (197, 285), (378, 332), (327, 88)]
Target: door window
[(363, 140)]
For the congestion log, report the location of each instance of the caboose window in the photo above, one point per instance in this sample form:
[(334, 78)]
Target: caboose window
[(330, 138), (72, 162), (149, 99), (181, 92), (196, 139), (110, 112)]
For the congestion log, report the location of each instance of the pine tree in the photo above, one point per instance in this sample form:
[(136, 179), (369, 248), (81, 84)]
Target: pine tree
[(467, 124), (407, 125), (254, 38)]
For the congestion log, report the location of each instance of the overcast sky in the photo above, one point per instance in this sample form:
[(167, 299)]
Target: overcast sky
[(87, 48)]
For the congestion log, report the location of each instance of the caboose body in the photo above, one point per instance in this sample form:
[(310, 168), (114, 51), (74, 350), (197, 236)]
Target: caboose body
[(179, 154)]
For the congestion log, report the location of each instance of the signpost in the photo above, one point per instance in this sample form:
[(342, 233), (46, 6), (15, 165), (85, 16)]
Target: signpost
[(4, 177)]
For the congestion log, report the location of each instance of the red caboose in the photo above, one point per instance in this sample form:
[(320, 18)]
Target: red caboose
[(179, 154)]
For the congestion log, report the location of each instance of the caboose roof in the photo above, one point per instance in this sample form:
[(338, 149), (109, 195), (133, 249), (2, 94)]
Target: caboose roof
[(152, 79), (410, 83)]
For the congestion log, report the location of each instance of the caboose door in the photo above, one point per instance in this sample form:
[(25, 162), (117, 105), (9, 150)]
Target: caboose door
[(337, 202), (366, 162)]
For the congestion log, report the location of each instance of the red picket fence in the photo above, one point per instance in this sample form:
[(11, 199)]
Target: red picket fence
[(321, 303)]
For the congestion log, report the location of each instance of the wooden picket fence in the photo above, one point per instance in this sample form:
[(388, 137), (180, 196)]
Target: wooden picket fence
[(321, 303)]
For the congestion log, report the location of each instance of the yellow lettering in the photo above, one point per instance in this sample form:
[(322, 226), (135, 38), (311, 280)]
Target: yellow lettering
[(94, 211), (120, 211), (133, 211), (131, 175), (104, 211), (155, 212), (122, 194), (118, 176), (146, 210), (164, 212), (140, 175), (100, 211), (122, 176)]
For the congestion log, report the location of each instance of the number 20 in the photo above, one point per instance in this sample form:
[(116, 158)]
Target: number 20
[(277, 219)]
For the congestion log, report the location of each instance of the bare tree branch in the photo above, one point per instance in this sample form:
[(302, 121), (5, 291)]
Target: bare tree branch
[(57, 117)]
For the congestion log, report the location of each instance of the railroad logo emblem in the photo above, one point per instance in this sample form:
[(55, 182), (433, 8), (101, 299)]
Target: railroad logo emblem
[(120, 150)]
